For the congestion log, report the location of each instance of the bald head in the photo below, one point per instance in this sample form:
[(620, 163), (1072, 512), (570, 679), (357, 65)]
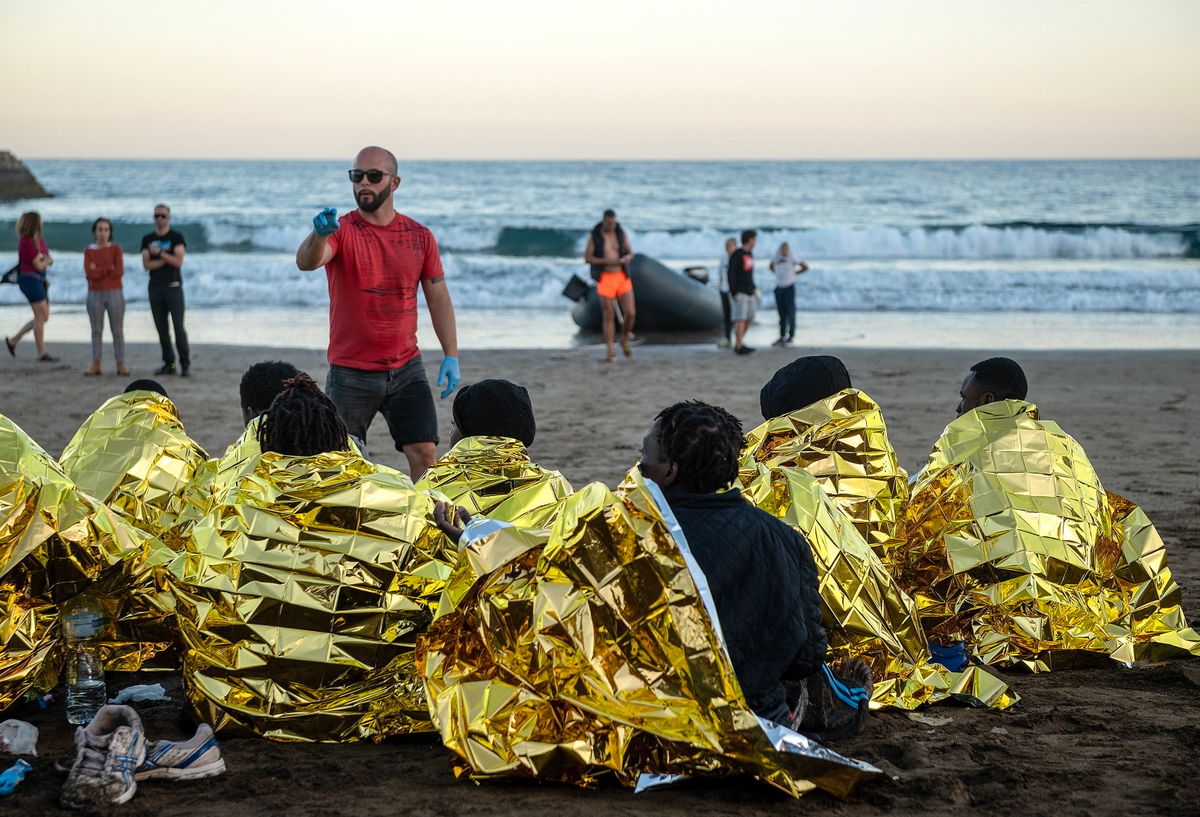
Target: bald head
[(377, 157)]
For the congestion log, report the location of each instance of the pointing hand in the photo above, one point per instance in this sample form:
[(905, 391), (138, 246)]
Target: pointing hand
[(325, 223)]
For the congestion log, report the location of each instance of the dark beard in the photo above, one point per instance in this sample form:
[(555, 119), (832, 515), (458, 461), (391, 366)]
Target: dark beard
[(377, 200)]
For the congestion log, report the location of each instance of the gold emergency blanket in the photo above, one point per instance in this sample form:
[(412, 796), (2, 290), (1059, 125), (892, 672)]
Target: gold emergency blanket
[(591, 649), (493, 476), (300, 595), (55, 541), (1014, 547), (843, 442), (865, 612)]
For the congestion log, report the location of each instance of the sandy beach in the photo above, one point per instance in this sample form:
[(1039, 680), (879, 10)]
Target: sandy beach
[(1105, 740)]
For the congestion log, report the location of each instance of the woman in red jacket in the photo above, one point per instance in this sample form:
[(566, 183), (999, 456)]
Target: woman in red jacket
[(104, 264)]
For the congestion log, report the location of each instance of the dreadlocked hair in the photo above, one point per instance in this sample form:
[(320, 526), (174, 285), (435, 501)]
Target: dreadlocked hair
[(704, 441), (302, 421)]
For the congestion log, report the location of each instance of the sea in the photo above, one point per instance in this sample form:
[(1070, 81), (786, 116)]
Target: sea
[(903, 254)]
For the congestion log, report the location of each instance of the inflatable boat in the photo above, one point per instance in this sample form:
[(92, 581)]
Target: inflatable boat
[(667, 301)]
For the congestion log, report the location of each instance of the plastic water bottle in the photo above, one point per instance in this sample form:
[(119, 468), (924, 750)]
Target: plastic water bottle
[(83, 627)]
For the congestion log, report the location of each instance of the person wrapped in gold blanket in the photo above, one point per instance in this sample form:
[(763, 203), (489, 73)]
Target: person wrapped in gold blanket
[(1015, 548)]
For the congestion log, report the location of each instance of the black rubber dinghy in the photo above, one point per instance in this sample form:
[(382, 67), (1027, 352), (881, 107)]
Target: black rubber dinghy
[(667, 301)]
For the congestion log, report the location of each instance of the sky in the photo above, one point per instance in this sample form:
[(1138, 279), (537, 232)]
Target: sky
[(653, 79)]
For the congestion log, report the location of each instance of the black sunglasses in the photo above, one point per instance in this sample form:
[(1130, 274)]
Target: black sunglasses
[(161, 215), (372, 176)]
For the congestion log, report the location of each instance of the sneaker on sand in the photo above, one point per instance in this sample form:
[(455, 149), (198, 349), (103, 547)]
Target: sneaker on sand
[(107, 751), (724, 343), (183, 760), (837, 704)]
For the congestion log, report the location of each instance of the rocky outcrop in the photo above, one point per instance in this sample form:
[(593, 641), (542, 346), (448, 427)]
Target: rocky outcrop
[(16, 182)]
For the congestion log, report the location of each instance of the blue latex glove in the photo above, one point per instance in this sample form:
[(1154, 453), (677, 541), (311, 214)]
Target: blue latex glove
[(450, 375), (325, 223), (13, 775)]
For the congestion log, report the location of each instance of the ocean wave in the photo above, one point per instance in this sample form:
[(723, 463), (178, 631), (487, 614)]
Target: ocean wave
[(1017, 240), (484, 281)]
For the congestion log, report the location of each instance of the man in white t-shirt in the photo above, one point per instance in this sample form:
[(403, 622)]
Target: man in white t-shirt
[(723, 288), (786, 267)]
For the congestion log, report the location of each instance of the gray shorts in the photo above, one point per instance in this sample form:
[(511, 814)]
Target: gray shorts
[(745, 307), (401, 395)]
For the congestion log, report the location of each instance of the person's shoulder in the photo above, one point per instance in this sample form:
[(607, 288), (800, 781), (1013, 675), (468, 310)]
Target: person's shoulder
[(176, 237), (147, 238), (92, 246), (404, 222)]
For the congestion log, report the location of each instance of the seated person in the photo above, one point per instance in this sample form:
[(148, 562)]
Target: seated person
[(306, 584), (487, 469), (816, 421), (145, 384), (1015, 549), (260, 384)]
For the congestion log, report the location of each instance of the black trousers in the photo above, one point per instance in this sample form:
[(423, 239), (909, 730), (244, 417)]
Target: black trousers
[(785, 304), (726, 306), (167, 300)]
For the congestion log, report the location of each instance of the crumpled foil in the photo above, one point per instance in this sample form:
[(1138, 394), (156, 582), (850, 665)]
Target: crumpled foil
[(843, 442), (300, 595), (865, 612), (55, 542), (593, 648), (134, 455), (1014, 547), (493, 476)]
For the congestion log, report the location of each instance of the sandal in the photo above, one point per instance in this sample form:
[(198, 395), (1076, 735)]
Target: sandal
[(625, 347), (12, 347), (47, 358), (121, 370)]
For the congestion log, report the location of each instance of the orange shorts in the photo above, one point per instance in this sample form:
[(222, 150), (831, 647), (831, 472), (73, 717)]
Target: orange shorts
[(613, 284)]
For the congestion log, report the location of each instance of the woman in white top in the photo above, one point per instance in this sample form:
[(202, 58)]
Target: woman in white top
[(786, 267)]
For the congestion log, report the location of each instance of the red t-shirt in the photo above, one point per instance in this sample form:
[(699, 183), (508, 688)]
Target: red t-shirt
[(373, 279)]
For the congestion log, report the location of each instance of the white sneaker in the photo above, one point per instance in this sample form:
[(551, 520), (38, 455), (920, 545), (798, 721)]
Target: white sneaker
[(183, 760), (107, 751)]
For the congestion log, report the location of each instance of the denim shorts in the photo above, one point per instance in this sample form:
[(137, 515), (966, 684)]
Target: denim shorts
[(33, 287), (401, 395)]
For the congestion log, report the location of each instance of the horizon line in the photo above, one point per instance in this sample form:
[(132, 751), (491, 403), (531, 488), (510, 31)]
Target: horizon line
[(1171, 158)]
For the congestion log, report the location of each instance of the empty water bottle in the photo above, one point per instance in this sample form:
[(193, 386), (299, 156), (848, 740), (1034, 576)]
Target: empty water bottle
[(83, 627)]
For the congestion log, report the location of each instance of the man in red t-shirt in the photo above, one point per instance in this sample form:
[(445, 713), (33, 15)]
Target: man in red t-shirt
[(374, 258)]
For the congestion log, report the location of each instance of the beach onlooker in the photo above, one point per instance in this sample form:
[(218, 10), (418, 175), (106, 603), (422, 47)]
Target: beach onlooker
[(723, 288), (608, 252), (33, 259), (786, 267), (745, 292), (162, 256), (104, 264), (374, 258)]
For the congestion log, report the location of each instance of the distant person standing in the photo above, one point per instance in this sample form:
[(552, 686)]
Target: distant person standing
[(162, 256), (33, 259), (786, 268), (609, 253), (742, 287), (374, 258), (104, 265), (723, 288)]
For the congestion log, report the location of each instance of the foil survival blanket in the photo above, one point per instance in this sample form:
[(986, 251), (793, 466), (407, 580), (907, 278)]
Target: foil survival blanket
[(55, 541), (866, 613), (590, 649), (843, 442), (300, 595), (493, 476), (134, 455), (1014, 547)]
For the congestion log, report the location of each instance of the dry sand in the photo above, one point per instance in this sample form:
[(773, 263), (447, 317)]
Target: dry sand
[(1095, 741)]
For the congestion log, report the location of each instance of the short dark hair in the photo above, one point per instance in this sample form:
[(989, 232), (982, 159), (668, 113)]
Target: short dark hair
[(302, 421), (103, 220), (262, 382), (495, 408), (145, 384), (610, 212), (749, 234), (1002, 377), (704, 441)]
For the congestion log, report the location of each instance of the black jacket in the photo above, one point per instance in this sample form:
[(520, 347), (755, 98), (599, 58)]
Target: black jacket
[(764, 584)]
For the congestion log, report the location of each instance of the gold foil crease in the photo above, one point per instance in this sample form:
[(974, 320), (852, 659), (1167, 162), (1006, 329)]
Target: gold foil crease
[(865, 612), (590, 650), (55, 541), (300, 595), (134, 455), (1014, 547), (493, 476)]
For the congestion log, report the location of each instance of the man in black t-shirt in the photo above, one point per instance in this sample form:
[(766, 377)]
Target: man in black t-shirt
[(743, 290), (162, 256)]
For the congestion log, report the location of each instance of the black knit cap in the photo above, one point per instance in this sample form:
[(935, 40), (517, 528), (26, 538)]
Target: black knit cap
[(146, 384), (801, 383), (494, 408)]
